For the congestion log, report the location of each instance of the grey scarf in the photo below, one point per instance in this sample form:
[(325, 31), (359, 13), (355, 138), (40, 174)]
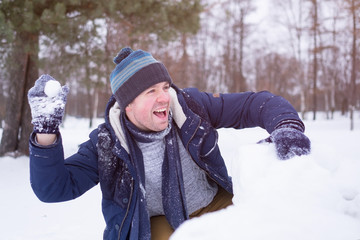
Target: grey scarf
[(172, 177)]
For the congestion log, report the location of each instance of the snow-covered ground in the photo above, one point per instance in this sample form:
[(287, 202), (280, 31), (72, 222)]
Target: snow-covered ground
[(315, 197)]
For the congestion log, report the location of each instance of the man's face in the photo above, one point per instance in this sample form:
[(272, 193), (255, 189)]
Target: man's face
[(150, 110)]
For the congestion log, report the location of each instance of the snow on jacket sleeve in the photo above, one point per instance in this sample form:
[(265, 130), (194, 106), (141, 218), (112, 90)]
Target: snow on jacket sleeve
[(54, 179), (246, 109)]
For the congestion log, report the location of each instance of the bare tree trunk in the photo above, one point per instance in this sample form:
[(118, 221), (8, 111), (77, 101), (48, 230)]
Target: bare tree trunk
[(2, 100), (334, 65), (327, 105), (184, 62), (89, 89), (242, 83), (315, 67), (25, 124), (18, 126), (96, 103), (354, 67), (90, 106), (303, 104)]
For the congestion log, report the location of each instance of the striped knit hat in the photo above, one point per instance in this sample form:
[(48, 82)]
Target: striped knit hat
[(135, 71)]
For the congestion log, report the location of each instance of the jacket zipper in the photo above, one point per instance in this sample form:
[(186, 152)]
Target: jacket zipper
[(127, 210)]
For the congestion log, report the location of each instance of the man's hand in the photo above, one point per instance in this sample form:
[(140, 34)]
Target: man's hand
[(289, 141), (47, 101)]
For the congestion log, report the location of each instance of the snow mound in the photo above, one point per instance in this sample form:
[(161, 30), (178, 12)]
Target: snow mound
[(309, 197)]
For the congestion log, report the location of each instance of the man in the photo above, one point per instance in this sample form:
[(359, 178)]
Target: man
[(156, 156)]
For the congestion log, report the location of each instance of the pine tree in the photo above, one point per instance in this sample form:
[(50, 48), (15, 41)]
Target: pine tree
[(23, 23)]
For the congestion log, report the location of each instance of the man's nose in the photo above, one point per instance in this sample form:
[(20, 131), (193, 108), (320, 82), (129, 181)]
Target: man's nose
[(163, 96)]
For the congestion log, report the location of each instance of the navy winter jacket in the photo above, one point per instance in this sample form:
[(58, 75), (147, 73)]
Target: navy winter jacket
[(197, 115)]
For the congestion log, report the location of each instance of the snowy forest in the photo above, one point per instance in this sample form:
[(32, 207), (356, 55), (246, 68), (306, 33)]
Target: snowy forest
[(304, 50)]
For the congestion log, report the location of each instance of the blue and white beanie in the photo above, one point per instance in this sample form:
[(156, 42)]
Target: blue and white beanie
[(135, 72)]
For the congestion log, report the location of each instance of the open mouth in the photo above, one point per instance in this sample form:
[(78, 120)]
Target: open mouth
[(161, 113)]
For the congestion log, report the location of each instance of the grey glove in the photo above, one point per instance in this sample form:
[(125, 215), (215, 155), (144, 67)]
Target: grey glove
[(47, 103), (289, 140)]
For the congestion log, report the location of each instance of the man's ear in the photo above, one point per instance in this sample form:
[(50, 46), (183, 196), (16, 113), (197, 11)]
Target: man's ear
[(129, 108)]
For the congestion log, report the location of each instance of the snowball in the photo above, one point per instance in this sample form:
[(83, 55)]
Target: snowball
[(52, 88)]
